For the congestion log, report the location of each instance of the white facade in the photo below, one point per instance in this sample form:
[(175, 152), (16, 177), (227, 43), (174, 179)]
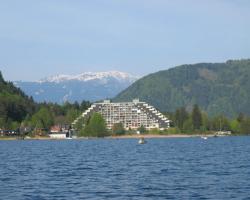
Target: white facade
[(57, 135), (131, 114)]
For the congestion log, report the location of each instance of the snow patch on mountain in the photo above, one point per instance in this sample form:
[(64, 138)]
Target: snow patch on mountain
[(92, 86), (90, 76)]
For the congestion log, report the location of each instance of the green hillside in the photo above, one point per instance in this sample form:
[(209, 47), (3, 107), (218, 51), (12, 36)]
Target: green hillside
[(14, 104), (218, 88)]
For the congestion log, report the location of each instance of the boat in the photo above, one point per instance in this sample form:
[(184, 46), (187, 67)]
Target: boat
[(142, 141), (204, 137), (221, 132)]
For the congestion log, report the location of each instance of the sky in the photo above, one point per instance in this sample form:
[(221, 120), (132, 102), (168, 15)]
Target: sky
[(48, 37)]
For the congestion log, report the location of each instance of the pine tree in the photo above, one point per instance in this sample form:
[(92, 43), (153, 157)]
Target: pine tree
[(1, 78), (196, 117), (181, 116)]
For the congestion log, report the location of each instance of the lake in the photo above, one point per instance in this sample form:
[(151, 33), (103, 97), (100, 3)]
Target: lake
[(171, 168)]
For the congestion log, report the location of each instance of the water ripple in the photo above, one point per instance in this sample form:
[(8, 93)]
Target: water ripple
[(184, 168)]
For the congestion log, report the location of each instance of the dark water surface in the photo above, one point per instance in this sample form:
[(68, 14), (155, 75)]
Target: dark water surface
[(177, 168)]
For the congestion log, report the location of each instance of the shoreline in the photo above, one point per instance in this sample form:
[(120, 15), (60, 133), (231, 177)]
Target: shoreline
[(134, 136), (137, 136)]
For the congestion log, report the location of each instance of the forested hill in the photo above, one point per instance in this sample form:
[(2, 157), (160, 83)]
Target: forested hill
[(218, 88), (14, 104), (17, 110)]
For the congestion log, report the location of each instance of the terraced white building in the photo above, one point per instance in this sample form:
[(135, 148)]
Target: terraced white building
[(131, 114)]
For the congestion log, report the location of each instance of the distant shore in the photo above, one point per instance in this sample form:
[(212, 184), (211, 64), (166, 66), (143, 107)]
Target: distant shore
[(134, 136), (153, 136)]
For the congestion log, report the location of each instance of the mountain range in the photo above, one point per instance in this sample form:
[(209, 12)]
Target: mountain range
[(91, 86), (218, 88)]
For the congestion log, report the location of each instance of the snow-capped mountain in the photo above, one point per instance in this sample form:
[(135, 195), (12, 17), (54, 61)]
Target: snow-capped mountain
[(88, 76), (92, 86)]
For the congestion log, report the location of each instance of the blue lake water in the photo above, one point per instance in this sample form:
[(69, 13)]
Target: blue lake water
[(174, 168)]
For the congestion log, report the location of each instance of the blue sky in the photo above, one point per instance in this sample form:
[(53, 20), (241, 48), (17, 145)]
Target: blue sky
[(47, 37)]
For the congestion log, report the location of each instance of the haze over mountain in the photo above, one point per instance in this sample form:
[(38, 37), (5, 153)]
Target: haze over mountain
[(90, 86), (216, 87)]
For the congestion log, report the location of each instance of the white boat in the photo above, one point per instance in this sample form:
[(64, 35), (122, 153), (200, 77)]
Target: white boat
[(204, 137), (142, 141)]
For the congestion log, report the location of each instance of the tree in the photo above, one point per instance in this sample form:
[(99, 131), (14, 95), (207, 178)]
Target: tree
[(42, 119), (142, 129), (181, 115), (84, 105), (15, 125), (220, 123), (196, 117), (188, 126), (2, 122), (205, 121), (245, 126), (96, 126), (1, 78), (241, 117), (118, 129), (71, 115), (235, 126)]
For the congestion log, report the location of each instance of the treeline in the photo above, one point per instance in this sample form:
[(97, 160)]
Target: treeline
[(198, 121), (50, 114), (44, 116)]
